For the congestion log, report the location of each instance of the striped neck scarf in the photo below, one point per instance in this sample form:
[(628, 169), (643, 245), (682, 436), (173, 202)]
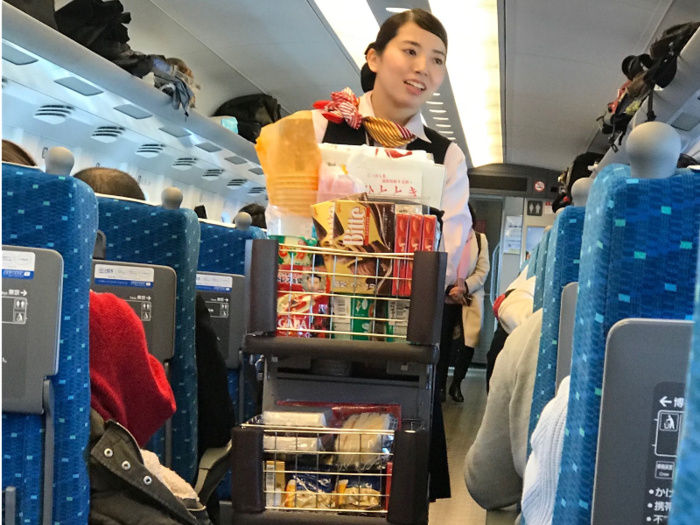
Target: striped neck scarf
[(344, 105)]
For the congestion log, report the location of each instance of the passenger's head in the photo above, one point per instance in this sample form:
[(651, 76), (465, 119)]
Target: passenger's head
[(109, 181), (257, 213), (11, 152), (127, 383), (410, 47)]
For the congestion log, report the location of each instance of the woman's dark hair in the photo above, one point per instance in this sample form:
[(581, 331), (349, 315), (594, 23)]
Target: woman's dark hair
[(471, 210), (257, 213), (390, 28), (109, 181), (13, 153)]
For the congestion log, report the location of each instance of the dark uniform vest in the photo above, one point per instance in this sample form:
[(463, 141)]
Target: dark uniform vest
[(343, 134)]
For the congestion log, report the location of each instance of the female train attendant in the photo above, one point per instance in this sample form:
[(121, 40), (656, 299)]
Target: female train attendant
[(405, 67)]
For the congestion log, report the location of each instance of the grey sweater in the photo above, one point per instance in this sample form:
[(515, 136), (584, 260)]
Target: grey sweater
[(495, 464)]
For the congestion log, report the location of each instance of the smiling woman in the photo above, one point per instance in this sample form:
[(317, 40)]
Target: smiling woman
[(405, 67)]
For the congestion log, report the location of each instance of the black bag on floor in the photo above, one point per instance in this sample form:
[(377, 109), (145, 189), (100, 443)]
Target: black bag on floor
[(42, 10), (252, 112)]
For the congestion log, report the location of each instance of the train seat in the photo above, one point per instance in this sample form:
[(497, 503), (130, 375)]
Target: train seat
[(57, 213), (143, 233), (638, 258), (562, 269)]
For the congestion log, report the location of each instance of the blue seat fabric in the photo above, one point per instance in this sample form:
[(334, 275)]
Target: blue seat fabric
[(541, 270), (562, 269), (147, 234), (58, 213), (638, 259), (222, 248), (685, 507)]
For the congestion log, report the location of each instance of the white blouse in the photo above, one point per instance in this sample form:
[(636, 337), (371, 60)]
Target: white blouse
[(457, 220)]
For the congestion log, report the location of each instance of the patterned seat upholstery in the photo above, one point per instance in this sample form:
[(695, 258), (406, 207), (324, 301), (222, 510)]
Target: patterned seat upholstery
[(541, 270), (534, 258), (685, 507), (59, 213), (222, 250), (141, 233), (638, 259), (562, 269)]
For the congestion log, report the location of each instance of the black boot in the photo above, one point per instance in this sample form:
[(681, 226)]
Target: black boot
[(456, 392)]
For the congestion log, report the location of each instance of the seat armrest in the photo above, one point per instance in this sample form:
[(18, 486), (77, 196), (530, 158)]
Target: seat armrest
[(212, 467)]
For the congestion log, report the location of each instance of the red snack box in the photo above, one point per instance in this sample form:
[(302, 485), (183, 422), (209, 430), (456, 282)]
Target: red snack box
[(429, 232), (415, 235), (401, 246)]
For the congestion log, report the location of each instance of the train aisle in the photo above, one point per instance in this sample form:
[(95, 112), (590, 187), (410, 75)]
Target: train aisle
[(461, 425)]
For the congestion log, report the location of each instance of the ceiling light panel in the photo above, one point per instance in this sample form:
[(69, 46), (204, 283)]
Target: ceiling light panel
[(475, 77), (354, 25), (438, 111)]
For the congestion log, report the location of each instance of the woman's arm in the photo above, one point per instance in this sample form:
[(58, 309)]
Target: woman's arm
[(457, 221), (476, 280)]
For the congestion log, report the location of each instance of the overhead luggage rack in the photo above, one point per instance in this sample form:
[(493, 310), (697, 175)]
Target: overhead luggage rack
[(368, 364), (60, 89)]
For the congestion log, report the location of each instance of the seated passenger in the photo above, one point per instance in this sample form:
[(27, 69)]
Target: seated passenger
[(495, 464), (517, 307), (11, 152), (542, 470), (513, 309), (130, 399), (215, 408), (257, 213)]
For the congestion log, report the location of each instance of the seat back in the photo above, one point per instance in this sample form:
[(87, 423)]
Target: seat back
[(685, 508), (222, 250), (638, 259), (562, 269), (142, 233), (541, 270), (58, 213)]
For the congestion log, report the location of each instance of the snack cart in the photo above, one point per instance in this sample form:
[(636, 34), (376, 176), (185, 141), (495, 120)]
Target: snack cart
[(343, 352)]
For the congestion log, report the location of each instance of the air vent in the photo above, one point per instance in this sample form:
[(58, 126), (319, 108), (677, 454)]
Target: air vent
[(212, 174), (236, 160), (257, 190), (54, 113), (108, 134), (236, 183), (150, 150), (184, 163)]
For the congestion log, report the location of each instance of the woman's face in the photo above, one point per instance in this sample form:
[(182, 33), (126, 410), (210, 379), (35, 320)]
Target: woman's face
[(411, 68)]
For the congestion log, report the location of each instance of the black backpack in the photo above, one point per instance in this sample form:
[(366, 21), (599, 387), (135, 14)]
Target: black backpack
[(252, 112)]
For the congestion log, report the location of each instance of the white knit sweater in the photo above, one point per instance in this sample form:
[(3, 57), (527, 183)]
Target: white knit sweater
[(542, 470)]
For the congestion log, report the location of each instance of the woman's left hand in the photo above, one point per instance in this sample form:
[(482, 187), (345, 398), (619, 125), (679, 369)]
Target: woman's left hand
[(457, 294)]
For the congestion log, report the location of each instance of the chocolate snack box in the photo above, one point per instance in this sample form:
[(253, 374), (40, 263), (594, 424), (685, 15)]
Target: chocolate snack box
[(361, 227)]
